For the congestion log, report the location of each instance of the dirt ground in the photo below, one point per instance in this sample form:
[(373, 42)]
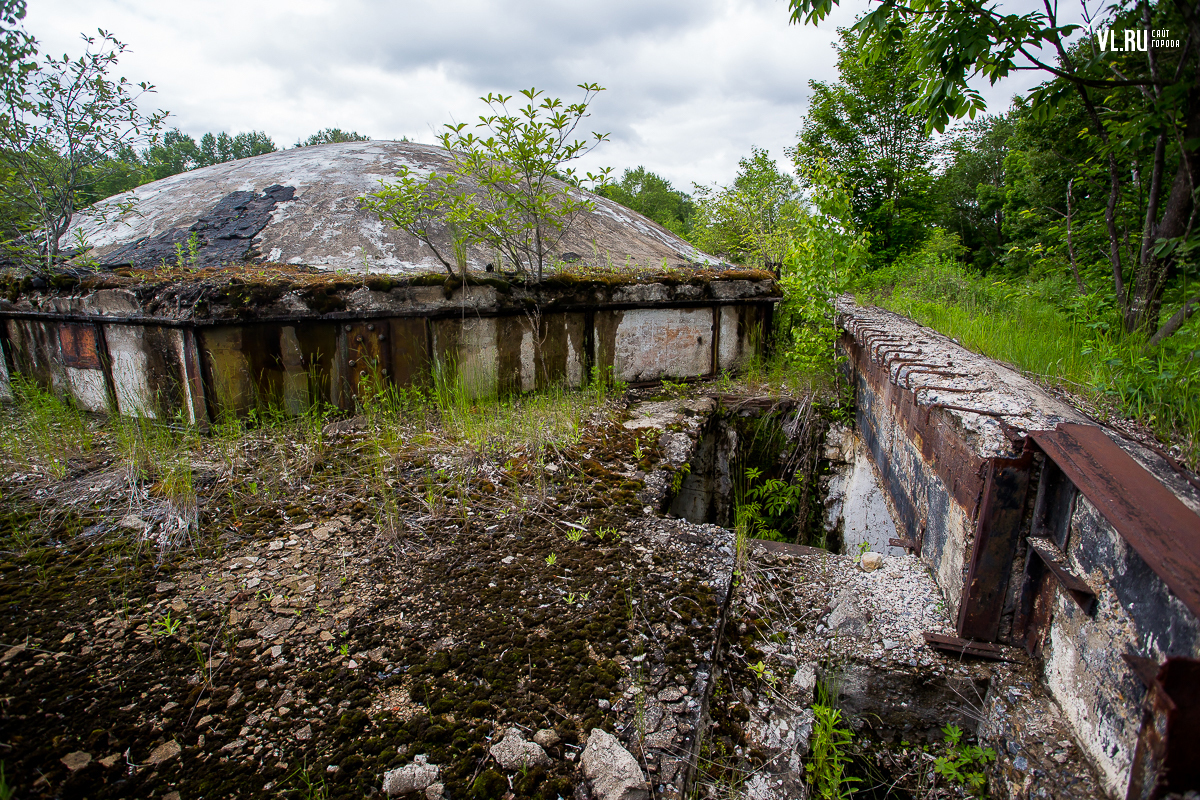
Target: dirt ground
[(332, 599)]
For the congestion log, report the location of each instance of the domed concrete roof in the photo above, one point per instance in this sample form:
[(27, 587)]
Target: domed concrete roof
[(301, 206)]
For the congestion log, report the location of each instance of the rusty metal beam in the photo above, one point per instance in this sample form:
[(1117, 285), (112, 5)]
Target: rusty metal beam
[(1148, 515), (966, 647), (1055, 560), (997, 533)]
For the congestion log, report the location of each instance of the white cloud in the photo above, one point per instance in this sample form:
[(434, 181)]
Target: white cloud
[(691, 84)]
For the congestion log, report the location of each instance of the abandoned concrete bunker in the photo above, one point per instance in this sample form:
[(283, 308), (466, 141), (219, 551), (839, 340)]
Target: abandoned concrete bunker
[(581, 620)]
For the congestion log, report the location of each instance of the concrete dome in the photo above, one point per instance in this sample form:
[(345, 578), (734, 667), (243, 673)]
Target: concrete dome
[(301, 206)]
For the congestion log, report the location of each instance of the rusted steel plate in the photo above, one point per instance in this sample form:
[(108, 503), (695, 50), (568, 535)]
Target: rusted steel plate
[(1054, 559), (1163, 531), (996, 535), (966, 647), (1166, 761), (77, 343)]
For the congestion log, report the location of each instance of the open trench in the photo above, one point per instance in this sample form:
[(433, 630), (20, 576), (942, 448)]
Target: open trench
[(808, 631)]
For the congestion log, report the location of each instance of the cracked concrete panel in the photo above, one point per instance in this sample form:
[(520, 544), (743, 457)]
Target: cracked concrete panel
[(130, 370), (468, 351), (88, 388), (741, 329), (855, 501), (5, 383), (303, 206), (667, 342)]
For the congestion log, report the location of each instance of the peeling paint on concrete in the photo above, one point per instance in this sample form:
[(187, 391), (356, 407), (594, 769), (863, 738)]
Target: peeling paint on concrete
[(854, 501), (654, 343)]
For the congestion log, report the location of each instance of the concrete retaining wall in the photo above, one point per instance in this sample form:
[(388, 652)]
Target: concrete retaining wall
[(942, 425), (116, 350)]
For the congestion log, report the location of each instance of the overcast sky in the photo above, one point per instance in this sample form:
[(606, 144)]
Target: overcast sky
[(691, 84)]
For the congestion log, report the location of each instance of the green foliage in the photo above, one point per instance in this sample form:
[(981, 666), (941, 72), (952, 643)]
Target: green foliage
[(223, 147), (331, 136), (167, 626), (964, 764), (829, 755), (821, 262), (753, 220), (508, 189), (770, 506), (654, 197), (1115, 147), (6, 791), (64, 122), (45, 431), (862, 129), (1050, 331), (970, 194)]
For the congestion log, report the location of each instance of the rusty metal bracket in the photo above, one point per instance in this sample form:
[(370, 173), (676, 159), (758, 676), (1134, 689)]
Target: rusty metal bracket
[(997, 532), (1166, 761), (1148, 515), (966, 647), (1054, 560)]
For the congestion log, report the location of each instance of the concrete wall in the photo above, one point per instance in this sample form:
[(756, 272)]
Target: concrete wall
[(935, 419), (108, 353), (1134, 612)]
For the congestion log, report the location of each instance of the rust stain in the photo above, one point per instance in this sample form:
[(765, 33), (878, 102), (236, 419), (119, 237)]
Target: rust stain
[(952, 460), (77, 344)]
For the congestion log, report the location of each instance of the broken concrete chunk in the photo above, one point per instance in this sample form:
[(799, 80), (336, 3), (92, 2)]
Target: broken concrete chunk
[(613, 771), (805, 681), (76, 761), (546, 737), (671, 694), (513, 752), (847, 617), (164, 752), (415, 777), (133, 522), (871, 562)]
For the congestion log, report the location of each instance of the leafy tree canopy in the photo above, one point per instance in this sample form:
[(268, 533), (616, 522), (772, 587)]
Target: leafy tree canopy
[(1141, 107), (863, 128), (331, 136), (654, 197)]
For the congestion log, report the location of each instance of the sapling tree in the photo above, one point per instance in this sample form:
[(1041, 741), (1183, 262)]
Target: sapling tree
[(508, 188), (62, 121)]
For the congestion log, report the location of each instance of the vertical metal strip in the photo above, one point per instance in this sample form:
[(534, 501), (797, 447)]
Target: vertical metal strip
[(716, 340), (110, 382), (997, 533)]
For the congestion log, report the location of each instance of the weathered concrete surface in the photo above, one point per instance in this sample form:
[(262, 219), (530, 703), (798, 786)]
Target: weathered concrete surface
[(933, 415), (653, 343), (855, 504), (301, 206), (195, 349)]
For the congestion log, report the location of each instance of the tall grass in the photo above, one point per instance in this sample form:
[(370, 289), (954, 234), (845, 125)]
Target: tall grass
[(42, 431), (1046, 329)]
